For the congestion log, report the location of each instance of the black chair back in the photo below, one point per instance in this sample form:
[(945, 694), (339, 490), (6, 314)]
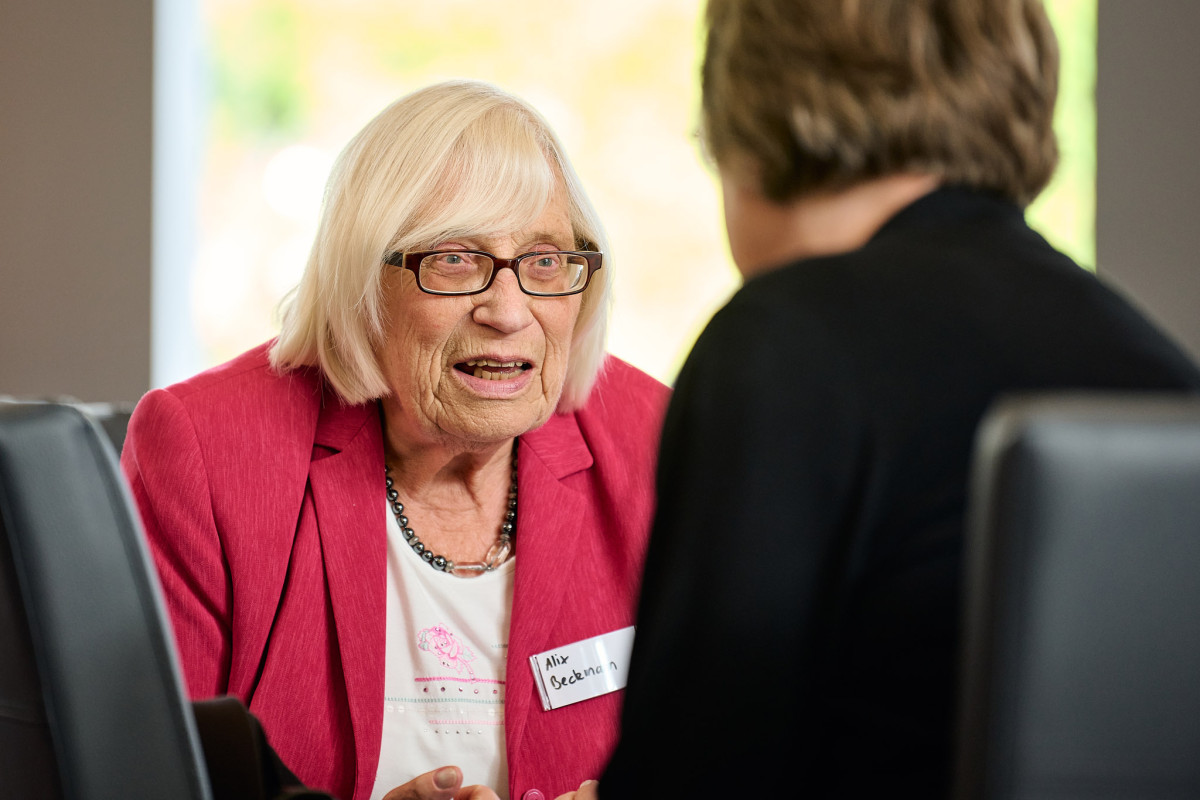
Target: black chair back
[(1081, 676), (91, 699)]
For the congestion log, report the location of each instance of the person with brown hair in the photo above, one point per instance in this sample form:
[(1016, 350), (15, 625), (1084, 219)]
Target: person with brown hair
[(798, 626)]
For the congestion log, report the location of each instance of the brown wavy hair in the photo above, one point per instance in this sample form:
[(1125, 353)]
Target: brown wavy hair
[(805, 95)]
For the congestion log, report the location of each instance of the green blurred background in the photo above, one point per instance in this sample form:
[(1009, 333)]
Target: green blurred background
[(290, 81)]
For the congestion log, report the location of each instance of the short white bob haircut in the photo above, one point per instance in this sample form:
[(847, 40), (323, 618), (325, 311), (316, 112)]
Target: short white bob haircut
[(454, 159)]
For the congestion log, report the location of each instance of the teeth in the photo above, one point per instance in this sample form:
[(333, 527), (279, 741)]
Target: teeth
[(487, 362), (510, 368), (480, 372)]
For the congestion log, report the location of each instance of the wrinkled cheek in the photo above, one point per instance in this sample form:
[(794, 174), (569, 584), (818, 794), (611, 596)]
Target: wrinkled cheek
[(424, 389)]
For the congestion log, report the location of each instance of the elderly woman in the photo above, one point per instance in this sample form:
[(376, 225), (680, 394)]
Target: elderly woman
[(367, 527), (798, 629)]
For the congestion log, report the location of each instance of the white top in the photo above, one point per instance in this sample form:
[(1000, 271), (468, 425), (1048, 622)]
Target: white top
[(444, 672)]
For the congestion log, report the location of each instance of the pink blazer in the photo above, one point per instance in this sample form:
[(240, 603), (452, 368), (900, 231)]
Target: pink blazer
[(262, 499)]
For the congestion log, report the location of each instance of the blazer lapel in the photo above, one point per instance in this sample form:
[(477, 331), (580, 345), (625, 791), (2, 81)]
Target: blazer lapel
[(549, 515), (348, 499)]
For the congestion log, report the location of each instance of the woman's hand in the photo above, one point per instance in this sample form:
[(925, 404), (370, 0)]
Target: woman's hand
[(586, 791), (440, 784)]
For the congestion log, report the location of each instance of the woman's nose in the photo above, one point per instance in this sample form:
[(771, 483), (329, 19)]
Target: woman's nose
[(503, 306)]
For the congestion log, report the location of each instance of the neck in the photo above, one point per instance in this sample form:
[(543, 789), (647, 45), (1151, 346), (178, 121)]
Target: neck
[(456, 507), (818, 224), (447, 476)]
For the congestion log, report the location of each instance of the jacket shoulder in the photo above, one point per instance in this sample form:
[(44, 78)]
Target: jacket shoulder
[(247, 378), (242, 407)]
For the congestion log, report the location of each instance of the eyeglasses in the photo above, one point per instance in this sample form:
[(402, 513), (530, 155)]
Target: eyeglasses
[(452, 272)]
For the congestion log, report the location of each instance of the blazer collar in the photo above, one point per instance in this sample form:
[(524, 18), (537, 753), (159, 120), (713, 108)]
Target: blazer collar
[(559, 446), (338, 423)]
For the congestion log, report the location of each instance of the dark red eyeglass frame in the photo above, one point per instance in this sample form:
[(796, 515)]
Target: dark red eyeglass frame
[(412, 261)]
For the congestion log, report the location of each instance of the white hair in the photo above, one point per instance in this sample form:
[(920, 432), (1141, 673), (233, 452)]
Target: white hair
[(454, 159)]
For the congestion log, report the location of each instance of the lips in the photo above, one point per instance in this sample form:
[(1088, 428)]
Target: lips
[(492, 369)]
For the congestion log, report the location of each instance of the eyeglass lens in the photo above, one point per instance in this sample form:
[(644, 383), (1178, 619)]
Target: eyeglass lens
[(537, 273)]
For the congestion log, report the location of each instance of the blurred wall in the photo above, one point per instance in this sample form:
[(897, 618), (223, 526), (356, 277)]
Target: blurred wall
[(75, 197), (1148, 159), (76, 144)]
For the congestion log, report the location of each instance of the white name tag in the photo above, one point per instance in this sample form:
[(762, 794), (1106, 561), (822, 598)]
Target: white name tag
[(583, 670)]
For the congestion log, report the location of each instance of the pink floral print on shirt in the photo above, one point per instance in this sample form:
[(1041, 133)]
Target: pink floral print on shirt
[(449, 650)]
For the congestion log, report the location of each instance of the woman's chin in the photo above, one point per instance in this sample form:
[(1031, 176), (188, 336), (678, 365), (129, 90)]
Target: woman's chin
[(493, 411), (494, 428)]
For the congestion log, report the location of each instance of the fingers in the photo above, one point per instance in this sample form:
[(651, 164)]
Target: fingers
[(476, 792), (438, 784), (586, 791)]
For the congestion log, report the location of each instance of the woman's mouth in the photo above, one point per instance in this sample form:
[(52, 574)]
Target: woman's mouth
[(492, 370)]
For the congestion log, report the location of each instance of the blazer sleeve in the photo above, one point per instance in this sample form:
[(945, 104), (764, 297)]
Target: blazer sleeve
[(165, 465)]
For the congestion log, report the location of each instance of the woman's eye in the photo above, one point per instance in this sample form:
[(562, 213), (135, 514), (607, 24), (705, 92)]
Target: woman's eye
[(450, 258)]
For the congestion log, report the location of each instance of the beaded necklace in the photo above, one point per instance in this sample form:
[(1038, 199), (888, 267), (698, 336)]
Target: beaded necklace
[(497, 554)]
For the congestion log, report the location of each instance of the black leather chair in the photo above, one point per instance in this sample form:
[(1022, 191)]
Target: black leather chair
[(91, 700), (1081, 676), (113, 419)]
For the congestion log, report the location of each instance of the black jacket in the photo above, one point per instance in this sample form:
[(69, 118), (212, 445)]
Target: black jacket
[(799, 622)]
